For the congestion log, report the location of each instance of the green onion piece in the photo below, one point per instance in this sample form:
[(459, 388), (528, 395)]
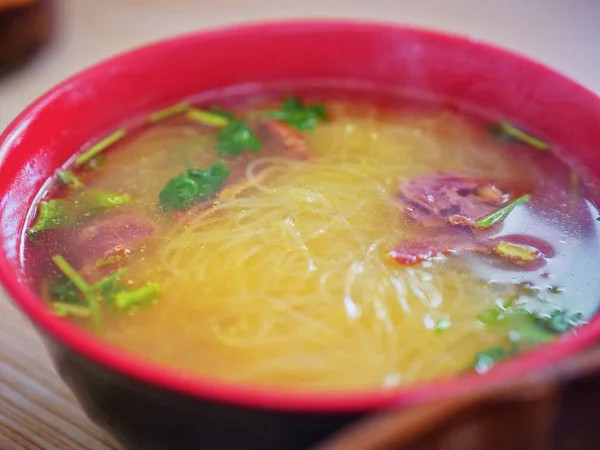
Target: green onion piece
[(100, 146), (207, 117), (86, 290), (221, 112), (71, 310), (513, 132), (129, 299), (502, 213), (99, 199), (442, 325), (518, 252), (69, 179), (168, 112), (489, 316), (51, 214), (109, 279), (485, 360)]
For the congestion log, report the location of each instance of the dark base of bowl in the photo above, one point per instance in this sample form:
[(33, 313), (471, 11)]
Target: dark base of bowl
[(144, 417)]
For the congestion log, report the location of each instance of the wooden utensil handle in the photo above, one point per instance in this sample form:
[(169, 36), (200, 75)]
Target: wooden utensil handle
[(556, 409)]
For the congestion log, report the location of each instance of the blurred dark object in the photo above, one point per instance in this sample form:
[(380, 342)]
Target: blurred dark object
[(25, 26), (555, 409)]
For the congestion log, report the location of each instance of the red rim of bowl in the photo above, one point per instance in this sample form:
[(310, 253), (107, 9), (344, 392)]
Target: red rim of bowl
[(278, 398)]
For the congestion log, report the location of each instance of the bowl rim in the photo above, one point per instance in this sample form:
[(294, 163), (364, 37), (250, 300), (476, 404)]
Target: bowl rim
[(280, 399)]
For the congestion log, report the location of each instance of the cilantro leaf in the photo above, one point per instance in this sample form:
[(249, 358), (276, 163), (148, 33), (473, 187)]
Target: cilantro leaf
[(299, 116), (234, 138), (51, 214), (65, 291), (192, 186)]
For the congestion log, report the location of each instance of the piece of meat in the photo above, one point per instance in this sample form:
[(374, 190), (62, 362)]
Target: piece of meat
[(280, 139), (417, 249), (413, 250), (434, 200), (109, 235)]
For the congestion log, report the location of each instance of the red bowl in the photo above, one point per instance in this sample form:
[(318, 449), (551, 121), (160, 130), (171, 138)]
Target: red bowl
[(151, 407)]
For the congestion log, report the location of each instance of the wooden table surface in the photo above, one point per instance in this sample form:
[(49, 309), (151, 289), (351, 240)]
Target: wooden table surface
[(36, 409)]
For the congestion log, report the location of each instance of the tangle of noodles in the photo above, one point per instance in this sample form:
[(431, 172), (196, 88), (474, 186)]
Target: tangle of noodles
[(287, 282)]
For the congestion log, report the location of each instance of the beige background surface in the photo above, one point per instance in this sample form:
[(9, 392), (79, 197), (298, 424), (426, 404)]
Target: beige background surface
[(36, 410)]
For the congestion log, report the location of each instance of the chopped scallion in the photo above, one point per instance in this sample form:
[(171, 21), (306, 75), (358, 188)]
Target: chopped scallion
[(505, 129), (86, 290), (168, 112), (207, 117), (71, 310), (517, 252), (502, 213), (142, 296), (99, 147)]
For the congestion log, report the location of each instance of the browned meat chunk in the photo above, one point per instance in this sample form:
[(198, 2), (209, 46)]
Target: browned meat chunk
[(433, 200), (423, 248), (110, 236), (281, 139)]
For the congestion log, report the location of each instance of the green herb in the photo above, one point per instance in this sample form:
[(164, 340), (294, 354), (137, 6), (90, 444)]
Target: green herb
[(505, 130), (99, 147), (442, 326), (70, 310), (236, 137), (516, 251), (66, 292), (192, 186), (142, 296), (209, 118), (299, 116), (69, 179), (109, 286), (524, 326), (109, 279), (485, 360), (502, 213), (560, 321), (84, 288), (221, 112), (51, 214), (99, 200), (168, 112)]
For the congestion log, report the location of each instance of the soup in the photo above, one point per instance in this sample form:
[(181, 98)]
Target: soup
[(336, 239)]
